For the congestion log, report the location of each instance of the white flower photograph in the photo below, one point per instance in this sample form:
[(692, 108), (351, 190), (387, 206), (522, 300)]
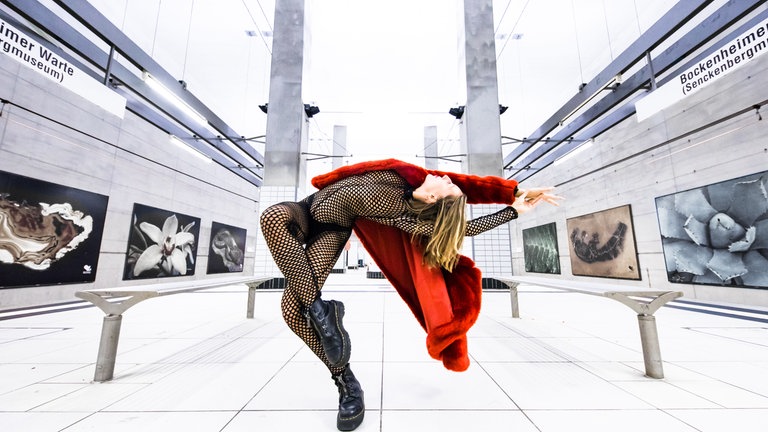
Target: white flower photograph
[(161, 244)]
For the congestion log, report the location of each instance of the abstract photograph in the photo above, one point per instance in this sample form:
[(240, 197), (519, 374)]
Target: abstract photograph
[(717, 234), (49, 233), (602, 244), (540, 249), (227, 249), (161, 243)]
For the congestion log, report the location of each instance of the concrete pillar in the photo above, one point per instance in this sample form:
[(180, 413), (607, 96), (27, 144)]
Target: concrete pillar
[(285, 170), (481, 130), (430, 147), (481, 137), (339, 145), (286, 120)]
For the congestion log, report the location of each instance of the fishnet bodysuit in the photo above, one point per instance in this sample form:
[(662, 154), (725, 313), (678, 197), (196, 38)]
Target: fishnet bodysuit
[(307, 237)]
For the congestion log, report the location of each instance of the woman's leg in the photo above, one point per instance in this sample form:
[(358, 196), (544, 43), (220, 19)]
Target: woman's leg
[(286, 227)]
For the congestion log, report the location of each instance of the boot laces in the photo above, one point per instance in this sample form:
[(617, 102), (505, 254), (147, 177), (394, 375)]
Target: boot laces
[(346, 389), (321, 326)]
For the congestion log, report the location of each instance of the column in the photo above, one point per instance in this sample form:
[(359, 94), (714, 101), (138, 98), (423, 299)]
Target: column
[(481, 137), (285, 168), (340, 149), (430, 147), (481, 130), (339, 145)]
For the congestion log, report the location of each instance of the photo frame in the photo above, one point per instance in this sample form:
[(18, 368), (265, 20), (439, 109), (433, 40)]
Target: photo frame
[(226, 249), (540, 250), (602, 244), (717, 234), (50, 233), (161, 243)]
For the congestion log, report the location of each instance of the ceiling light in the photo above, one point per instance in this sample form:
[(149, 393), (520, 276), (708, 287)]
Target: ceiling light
[(155, 85), (184, 146), (587, 144), (610, 85)]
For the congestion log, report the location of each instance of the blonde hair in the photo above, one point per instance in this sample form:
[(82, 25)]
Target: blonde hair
[(449, 222)]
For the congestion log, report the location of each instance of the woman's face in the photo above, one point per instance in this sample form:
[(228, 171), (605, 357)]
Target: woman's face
[(440, 187)]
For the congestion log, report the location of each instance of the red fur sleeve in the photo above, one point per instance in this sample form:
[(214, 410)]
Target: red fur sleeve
[(484, 189), (479, 189)]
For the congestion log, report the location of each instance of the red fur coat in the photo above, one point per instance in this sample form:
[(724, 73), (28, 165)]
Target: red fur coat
[(446, 304)]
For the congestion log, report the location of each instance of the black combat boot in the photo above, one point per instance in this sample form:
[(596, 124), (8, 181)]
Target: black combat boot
[(325, 317), (351, 404)]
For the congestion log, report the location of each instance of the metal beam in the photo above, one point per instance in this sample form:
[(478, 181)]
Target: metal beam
[(665, 26), (635, 87), (147, 104), (91, 18)]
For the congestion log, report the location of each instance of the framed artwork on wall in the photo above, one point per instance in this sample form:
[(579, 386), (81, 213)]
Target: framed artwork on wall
[(49, 233), (161, 243), (226, 252), (602, 244), (540, 249), (717, 234)]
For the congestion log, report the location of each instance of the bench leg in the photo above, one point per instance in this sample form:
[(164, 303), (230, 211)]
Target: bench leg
[(251, 301), (649, 339), (513, 300), (105, 361)]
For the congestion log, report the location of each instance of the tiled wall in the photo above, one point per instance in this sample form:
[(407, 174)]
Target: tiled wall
[(270, 195), (491, 249)]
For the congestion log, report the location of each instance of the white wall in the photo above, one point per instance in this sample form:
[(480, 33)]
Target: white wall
[(33, 146), (729, 150)]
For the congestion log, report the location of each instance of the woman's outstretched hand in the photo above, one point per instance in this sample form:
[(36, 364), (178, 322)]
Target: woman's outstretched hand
[(530, 198)]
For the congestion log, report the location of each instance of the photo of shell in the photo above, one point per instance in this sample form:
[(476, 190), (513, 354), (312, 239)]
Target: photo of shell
[(227, 249), (717, 234), (161, 244), (602, 244), (49, 233), (540, 249)]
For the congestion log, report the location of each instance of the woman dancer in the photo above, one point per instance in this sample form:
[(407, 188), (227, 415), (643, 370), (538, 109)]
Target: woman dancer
[(412, 222)]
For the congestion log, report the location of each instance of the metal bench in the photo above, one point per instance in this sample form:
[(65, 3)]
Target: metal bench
[(644, 302), (115, 301)]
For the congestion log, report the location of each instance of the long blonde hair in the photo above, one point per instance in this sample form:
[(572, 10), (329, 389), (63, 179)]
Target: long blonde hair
[(449, 222)]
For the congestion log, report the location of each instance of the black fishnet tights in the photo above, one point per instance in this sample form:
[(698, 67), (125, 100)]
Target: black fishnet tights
[(305, 261), (306, 237)]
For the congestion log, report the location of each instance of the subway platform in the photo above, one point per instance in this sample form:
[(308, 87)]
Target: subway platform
[(193, 362)]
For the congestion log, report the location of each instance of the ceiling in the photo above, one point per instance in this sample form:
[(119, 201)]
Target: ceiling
[(386, 70)]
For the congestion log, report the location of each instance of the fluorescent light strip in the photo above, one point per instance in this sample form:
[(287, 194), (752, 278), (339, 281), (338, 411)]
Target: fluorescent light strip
[(615, 80), (171, 97), (184, 146), (587, 144)]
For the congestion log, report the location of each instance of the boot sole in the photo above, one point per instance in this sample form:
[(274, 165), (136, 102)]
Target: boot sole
[(346, 343), (351, 423)]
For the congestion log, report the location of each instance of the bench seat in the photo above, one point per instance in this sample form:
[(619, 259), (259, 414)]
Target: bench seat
[(644, 302), (115, 301)]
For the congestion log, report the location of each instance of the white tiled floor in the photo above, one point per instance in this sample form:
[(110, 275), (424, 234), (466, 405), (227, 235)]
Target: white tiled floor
[(193, 362)]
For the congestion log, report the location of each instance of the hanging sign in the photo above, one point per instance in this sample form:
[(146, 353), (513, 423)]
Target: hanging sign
[(748, 46), (27, 51)]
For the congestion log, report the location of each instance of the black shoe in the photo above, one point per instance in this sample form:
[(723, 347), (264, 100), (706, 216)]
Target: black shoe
[(325, 317), (351, 403)]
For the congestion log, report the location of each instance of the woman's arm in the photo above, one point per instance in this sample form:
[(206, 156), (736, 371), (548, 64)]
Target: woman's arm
[(484, 223), (524, 203), (474, 226)]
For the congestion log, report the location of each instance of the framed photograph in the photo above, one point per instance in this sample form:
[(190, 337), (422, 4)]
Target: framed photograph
[(161, 243), (602, 244), (226, 252), (717, 234), (540, 249), (49, 233)]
